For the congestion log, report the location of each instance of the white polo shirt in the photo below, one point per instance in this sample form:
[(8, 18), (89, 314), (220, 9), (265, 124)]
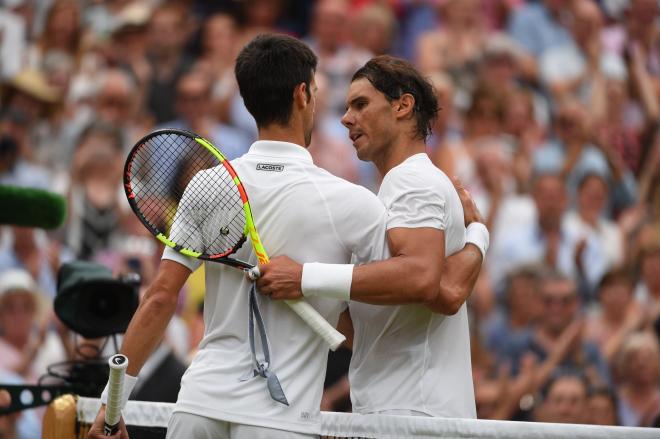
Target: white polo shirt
[(407, 359), (309, 215)]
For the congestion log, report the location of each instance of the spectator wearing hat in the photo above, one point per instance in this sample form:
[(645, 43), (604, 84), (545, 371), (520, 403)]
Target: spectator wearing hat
[(23, 334)]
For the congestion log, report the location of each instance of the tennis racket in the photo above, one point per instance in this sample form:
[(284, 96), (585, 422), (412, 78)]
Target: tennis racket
[(118, 364), (190, 198)]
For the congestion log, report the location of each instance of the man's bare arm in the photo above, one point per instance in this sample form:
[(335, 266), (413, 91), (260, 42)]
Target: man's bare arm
[(461, 270), (146, 329), (411, 275), (459, 275), (156, 309)]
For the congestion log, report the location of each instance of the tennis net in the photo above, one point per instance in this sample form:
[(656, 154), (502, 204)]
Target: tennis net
[(342, 425)]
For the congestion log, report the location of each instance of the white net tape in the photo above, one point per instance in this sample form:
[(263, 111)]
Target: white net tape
[(344, 425)]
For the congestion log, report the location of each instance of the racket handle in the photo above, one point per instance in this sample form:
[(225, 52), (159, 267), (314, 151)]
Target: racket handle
[(118, 364), (315, 321)]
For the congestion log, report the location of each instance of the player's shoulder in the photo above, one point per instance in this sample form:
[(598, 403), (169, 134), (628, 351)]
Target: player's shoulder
[(415, 172)]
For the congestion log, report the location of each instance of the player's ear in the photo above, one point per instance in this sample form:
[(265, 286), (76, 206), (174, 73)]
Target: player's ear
[(404, 106), (301, 95)]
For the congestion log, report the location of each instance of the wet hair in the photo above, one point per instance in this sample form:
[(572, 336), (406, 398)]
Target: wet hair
[(394, 77), (268, 70)]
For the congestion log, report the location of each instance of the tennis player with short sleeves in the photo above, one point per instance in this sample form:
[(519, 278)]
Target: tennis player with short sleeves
[(301, 210), (407, 359)]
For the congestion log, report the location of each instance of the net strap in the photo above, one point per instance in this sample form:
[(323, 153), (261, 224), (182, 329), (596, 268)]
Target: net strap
[(261, 368), (152, 414)]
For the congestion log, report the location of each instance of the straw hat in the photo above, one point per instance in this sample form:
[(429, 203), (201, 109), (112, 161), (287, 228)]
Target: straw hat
[(33, 83)]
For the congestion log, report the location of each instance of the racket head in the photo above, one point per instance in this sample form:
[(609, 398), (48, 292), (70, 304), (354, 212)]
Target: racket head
[(186, 193)]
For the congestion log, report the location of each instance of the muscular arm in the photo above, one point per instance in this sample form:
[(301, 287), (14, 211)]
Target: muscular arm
[(411, 275), (459, 275), (156, 309)]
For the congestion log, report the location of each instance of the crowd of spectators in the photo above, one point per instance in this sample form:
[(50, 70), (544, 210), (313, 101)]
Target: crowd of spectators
[(549, 116)]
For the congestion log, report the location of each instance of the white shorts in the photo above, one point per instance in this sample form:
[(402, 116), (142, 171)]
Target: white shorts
[(188, 426)]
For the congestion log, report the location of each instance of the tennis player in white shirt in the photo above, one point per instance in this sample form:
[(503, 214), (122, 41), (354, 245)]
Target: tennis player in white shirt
[(301, 210), (406, 358)]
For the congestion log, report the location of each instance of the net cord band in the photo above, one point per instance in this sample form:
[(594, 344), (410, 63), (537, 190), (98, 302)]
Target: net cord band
[(149, 414)]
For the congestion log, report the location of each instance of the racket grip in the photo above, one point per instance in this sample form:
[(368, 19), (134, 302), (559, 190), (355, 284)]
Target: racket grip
[(118, 364), (320, 325)]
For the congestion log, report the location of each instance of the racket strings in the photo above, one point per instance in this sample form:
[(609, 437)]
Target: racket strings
[(183, 191)]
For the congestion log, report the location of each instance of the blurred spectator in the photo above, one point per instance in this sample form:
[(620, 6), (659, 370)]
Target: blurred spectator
[(545, 239), (95, 194), (524, 117), (330, 147), (602, 407), (167, 35), (571, 152), (589, 218), (638, 372), (193, 110), (128, 44), (29, 108), (337, 59), (374, 29), (565, 401), (571, 68), (617, 316), (62, 33), (649, 291), (116, 104), (26, 344), (12, 43), (483, 120), (557, 341), (538, 26), (521, 311), (14, 170), (30, 250), (219, 48), (457, 46)]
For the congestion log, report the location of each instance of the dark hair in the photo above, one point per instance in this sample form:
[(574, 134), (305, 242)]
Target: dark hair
[(616, 276), (394, 77), (590, 175), (565, 372), (268, 69)]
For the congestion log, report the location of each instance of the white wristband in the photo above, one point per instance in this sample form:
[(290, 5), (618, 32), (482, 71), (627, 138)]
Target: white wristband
[(129, 384), (327, 280), (477, 234)]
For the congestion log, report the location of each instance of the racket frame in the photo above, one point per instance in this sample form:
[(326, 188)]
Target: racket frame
[(304, 310)]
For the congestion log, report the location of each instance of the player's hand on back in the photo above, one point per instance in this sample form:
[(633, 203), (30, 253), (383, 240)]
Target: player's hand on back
[(281, 278), (470, 212)]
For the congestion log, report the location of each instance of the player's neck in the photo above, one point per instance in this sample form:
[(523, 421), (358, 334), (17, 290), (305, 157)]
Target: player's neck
[(397, 153), (282, 133)]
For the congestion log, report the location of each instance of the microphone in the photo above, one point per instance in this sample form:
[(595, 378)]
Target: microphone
[(29, 207)]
